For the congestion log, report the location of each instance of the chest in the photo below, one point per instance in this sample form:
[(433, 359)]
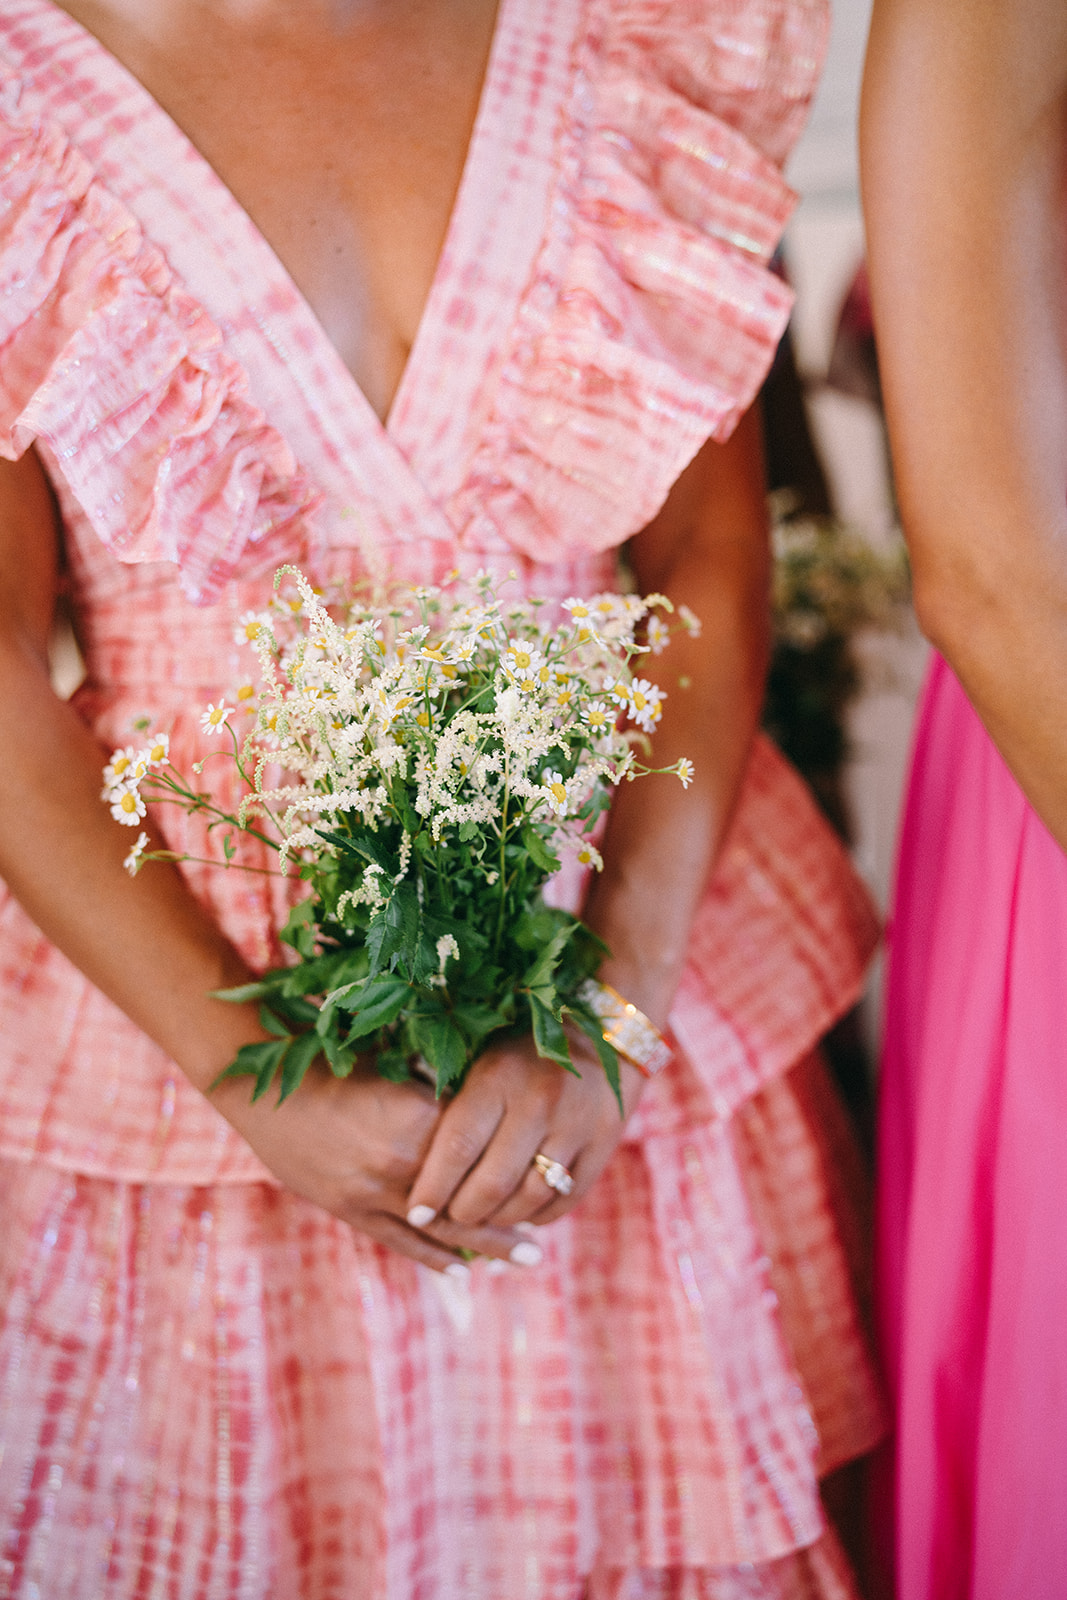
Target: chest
[(343, 137)]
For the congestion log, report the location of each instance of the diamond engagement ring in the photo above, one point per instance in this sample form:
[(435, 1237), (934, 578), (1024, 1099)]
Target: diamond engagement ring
[(554, 1173)]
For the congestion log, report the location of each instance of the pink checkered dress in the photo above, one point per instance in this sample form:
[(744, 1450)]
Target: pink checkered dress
[(209, 1388)]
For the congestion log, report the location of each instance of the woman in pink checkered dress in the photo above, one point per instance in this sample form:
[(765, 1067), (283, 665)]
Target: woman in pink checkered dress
[(424, 288)]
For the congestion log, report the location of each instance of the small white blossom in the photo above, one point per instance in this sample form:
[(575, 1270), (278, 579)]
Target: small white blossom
[(125, 766), (133, 859), (127, 806), (658, 635), (644, 703), (556, 788), (213, 720), (157, 751), (684, 770), (250, 626)]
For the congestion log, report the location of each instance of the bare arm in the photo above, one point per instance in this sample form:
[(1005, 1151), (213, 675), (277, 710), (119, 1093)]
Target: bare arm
[(707, 549), (964, 142), (351, 1147)]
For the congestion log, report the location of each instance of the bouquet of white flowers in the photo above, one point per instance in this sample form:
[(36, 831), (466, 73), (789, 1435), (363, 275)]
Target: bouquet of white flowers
[(424, 765)]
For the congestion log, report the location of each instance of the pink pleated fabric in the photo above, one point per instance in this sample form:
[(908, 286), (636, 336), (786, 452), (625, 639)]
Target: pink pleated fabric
[(972, 1228), (209, 1387)]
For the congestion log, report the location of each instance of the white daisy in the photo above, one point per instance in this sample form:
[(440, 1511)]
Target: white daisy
[(644, 703), (133, 859), (555, 786), (127, 806), (213, 720)]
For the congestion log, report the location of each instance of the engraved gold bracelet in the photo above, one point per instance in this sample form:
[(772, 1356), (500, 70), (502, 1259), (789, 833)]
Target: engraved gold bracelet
[(626, 1029)]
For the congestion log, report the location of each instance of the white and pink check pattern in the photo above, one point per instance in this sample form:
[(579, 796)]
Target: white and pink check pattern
[(209, 1388)]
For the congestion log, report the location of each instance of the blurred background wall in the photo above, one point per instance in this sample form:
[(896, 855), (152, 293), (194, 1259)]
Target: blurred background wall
[(823, 250)]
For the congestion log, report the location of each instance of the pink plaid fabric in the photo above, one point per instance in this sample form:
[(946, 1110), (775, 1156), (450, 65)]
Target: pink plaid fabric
[(646, 1415)]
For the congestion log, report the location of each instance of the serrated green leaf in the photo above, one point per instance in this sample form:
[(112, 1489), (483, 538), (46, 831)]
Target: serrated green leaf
[(539, 851), (368, 846), (298, 1058), (251, 1060), (299, 930), (549, 956), (442, 1044), (274, 1024), (381, 1002), (271, 1052), (548, 1034), (394, 929), (591, 1024), (341, 1057)]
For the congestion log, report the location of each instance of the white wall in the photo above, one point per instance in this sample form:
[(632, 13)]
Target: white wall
[(824, 246)]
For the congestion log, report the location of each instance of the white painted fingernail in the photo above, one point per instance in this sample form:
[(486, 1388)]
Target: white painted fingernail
[(458, 1270), (527, 1254), (529, 1228), (495, 1267), (421, 1216)]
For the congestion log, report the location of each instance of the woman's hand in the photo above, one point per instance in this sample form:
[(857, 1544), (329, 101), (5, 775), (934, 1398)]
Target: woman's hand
[(478, 1169), (354, 1147)]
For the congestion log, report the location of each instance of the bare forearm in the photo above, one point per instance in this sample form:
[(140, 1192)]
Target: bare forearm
[(963, 147), (145, 942), (662, 840)]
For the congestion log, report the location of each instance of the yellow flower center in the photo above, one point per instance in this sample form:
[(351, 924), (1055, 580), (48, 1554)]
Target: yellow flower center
[(423, 719), (216, 716), (559, 792), (119, 765), (252, 630), (246, 691), (128, 802)]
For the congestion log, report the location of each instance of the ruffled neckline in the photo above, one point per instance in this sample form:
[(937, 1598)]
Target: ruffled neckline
[(631, 319)]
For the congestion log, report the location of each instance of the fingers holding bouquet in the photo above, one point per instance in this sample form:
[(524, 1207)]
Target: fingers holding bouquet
[(354, 1148), (523, 1140)]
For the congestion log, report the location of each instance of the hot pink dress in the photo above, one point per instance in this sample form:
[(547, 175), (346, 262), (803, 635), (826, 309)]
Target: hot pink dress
[(209, 1388), (973, 1225)]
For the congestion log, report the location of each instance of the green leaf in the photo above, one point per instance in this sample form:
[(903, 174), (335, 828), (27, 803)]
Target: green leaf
[(380, 1003), (274, 1024), (341, 1057), (394, 930), (591, 1024), (548, 1034), (538, 851), (548, 959), (393, 1065), (245, 991), (298, 1058), (366, 845), (299, 930), (438, 1039), (258, 1061)]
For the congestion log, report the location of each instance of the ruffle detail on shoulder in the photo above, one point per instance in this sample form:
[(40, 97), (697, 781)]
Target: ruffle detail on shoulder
[(653, 316), (106, 359)]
